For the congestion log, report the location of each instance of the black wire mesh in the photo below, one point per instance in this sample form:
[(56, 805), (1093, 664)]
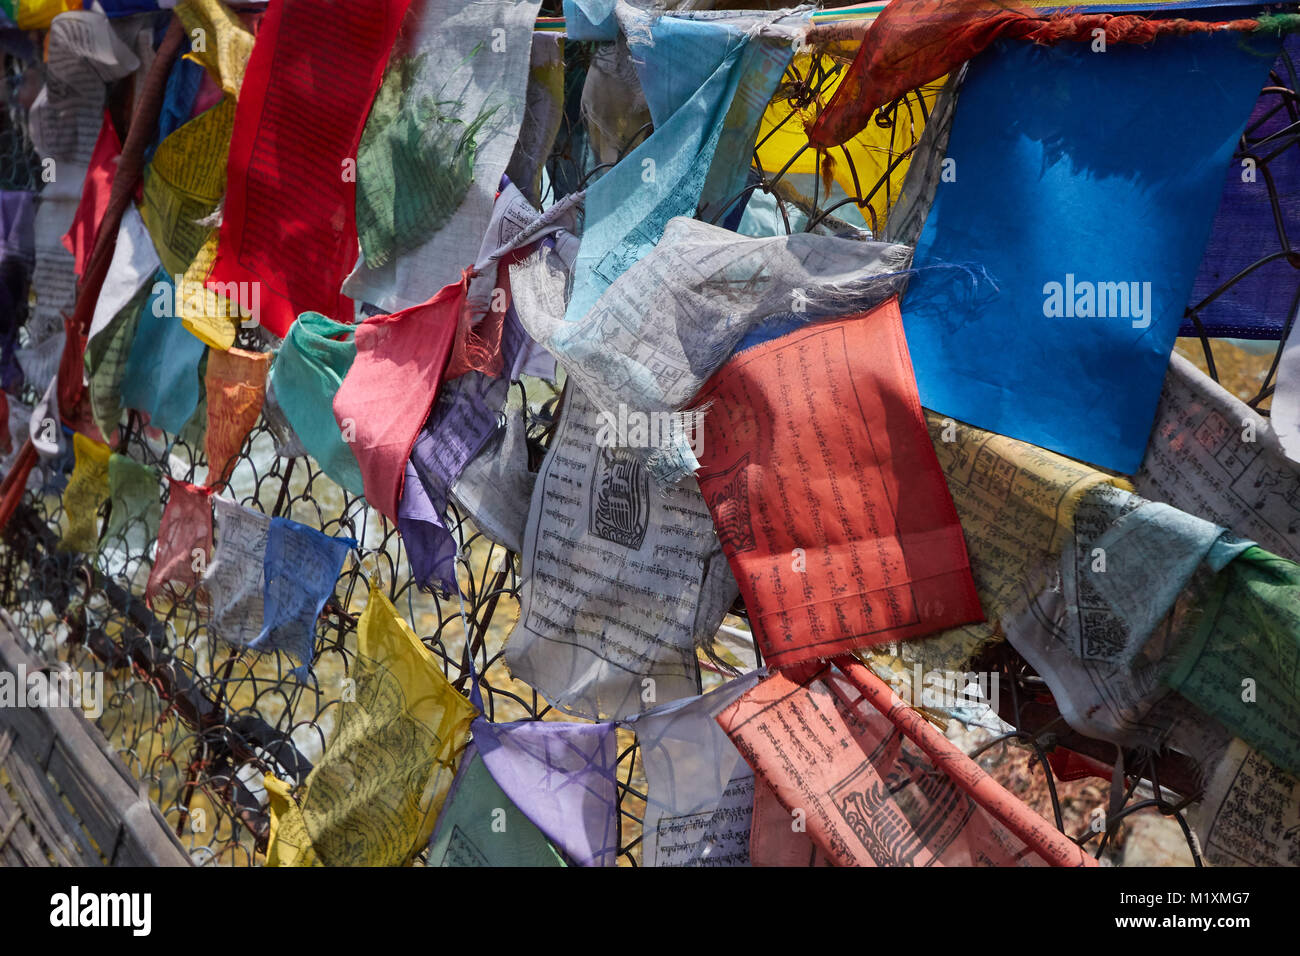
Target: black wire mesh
[(199, 722)]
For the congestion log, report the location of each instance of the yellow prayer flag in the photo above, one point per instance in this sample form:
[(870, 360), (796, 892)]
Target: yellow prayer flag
[(87, 489), (376, 793), (867, 156)]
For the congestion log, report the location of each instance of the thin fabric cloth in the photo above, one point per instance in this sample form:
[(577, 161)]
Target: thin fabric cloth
[(561, 776), (113, 326), (1084, 314), (669, 321), (161, 377), (437, 144), (1248, 626), (184, 542), (462, 422), (1096, 632), (1246, 228), (622, 580), (876, 784), (235, 387), (289, 221), (302, 567), (385, 398), (306, 375), (664, 176), (95, 190), (135, 509), (700, 791), (496, 486)]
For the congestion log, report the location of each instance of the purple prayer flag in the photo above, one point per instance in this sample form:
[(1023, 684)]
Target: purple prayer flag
[(463, 419), (560, 776), (1246, 230), (430, 546)]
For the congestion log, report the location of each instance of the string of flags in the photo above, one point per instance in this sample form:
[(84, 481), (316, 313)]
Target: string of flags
[(886, 361)]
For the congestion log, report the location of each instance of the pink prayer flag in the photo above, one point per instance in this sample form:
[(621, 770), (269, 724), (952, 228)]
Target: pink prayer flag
[(184, 541), (389, 390)]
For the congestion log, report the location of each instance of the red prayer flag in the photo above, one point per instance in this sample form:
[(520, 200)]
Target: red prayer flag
[(184, 541), (290, 216), (827, 495), (95, 190)]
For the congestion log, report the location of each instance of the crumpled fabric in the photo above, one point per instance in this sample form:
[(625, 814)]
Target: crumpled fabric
[(463, 420), (236, 574), (619, 578), (430, 547), (628, 207), (308, 370), (134, 506), (543, 113), (1247, 625), (560, 776), (87, 490), (235, 385), (413, 147), (161, 377), (387, 393), (674, 57), (1096, 632), (787, 281), (913, 42), (184, 542), (613, 105), (95, 188), (657, 333), (475, 63), (289, 842), (44, 428), (301, 568), (116, 318), (287, 444)]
